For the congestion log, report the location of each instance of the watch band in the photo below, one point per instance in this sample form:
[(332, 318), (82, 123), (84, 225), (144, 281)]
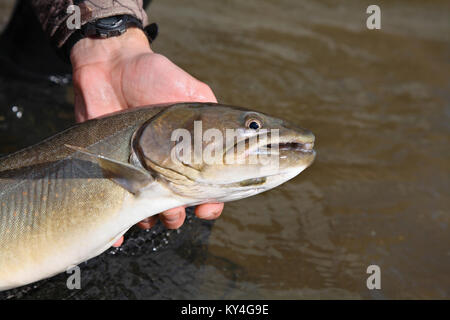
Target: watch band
[(106, 28)]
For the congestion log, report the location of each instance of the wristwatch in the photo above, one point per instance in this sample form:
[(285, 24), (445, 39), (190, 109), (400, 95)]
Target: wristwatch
[(110, 26), (106, 28)]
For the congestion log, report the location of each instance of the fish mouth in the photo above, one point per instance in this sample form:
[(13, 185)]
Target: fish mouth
[(304, 147)]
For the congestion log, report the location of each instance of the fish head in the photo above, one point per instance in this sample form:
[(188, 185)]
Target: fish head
[(213, 152)]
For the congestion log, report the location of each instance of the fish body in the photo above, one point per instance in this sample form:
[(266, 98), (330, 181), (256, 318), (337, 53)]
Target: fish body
[(70, 197)]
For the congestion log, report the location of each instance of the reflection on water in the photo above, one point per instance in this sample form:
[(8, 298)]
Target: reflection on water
[(378, 103)]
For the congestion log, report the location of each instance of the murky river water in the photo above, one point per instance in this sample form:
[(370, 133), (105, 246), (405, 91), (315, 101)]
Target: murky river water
[(379, 104)]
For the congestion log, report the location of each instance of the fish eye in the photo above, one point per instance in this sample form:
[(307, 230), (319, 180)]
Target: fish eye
[(253, 123)]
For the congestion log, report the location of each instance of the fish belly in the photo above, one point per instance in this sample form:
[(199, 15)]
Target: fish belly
[(53, 221)]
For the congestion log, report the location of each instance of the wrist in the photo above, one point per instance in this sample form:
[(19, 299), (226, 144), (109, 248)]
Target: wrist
[(96, 50)]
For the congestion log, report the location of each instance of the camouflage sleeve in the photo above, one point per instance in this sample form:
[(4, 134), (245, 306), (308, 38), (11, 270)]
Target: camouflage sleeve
[(53, 14)]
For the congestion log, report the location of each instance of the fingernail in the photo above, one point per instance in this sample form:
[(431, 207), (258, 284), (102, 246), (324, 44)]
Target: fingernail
[(118, 243), (172, 217), (144, 225), (211, 215)]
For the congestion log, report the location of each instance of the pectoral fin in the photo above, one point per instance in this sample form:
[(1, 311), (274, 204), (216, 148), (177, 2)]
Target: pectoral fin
[(124, 174)]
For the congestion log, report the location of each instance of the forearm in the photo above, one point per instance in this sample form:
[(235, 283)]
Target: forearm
[(53, 14)]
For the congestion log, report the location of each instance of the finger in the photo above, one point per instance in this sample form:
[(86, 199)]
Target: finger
[(118, 243), (203, 93), (94, 94), (148, 222), (173, 218), (209, 211)]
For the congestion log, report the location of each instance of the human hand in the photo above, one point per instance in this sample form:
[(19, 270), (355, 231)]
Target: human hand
[(122, 72)]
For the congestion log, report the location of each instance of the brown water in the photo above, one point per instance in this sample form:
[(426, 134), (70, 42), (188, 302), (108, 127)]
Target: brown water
[(378, 102)]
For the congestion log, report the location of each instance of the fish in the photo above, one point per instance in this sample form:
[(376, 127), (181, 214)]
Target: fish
[(70, 197)]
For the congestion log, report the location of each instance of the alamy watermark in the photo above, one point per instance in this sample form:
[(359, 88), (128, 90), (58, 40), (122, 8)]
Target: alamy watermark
[(242, 146), (74, 20), (74, 280), (374, 20), (374, 280)]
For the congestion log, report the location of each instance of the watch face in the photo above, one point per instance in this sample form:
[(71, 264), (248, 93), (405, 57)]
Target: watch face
[(110, 22)]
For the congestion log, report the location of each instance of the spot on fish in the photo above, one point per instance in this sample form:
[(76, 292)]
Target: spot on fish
[(252, 182)]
